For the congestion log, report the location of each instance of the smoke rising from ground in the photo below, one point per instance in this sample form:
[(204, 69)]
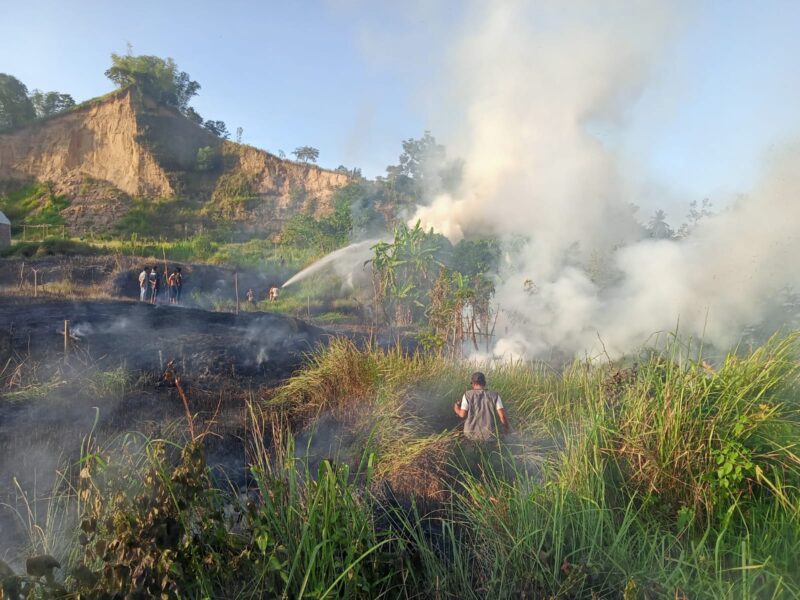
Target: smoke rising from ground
[(536, 84)]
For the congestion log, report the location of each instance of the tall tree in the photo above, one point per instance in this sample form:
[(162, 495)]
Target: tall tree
[(423, 168), (416, 156), (16, 107), (658, 228), (306, 154), (193, 116), (218, 128), (696, 214), (50, 103), (155, 76)]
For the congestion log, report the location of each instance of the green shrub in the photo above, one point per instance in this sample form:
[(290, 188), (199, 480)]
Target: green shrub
[(233, 187), (33, 204), (208, 159)]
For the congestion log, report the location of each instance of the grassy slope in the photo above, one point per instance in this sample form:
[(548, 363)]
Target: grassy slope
[(667, 480), (33, 204)]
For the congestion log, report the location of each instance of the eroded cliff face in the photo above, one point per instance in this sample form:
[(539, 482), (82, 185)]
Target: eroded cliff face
[(108, 151), (98, 140), (284, 188)]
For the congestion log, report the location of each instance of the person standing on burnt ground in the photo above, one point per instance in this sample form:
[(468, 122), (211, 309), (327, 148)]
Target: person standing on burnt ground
[(178, 285), (484, 414), (143, 284), (172, 287), (155, 285)]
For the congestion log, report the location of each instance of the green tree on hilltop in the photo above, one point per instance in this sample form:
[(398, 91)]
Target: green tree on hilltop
[(16, 107), (658, 228), (306, 154), (50, 103), (218, 128), (157, 77)]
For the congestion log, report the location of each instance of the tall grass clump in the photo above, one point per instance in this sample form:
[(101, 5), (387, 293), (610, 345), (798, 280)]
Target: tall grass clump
[(702, 440), (342, 376), (151, 522)]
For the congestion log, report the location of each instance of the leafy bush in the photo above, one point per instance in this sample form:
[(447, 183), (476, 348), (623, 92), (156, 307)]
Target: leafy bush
[(207, 159), (33, 204), (233, 187), (325, 234)]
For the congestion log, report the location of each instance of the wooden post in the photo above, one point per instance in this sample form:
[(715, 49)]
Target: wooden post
[(35, 283), (236, 286), (66, 338), (24, 233)]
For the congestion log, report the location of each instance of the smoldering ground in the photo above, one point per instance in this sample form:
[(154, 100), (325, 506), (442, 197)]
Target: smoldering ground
[(110, 381)]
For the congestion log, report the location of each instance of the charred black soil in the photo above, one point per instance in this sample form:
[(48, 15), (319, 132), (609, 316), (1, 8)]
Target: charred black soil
[(111, 379), (265, 346)]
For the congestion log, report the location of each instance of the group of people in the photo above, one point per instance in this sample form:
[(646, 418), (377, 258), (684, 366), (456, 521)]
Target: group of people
[(272, 294), (150, 283)]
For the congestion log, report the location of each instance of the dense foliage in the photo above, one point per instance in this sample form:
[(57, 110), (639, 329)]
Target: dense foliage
[(17, 107), (159, 78)]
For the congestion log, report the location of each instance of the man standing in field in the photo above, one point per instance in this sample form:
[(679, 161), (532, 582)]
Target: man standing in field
[(481, 408), (155, 285), (143, 284), (172, 287)]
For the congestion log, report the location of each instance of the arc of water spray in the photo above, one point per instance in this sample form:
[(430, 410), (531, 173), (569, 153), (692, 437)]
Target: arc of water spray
[(348, 257)]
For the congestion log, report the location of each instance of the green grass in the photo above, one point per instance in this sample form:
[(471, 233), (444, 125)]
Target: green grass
[(150, 217), (49, 247), (211, 248), (670, 479), (33, 204)]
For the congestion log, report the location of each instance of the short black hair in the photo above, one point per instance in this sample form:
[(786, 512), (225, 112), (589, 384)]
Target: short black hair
[(478, 378)]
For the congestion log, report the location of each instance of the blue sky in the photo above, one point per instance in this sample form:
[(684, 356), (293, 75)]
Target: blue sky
[(726, 90)]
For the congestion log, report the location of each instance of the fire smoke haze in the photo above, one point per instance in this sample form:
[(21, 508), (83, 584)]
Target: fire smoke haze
[(535, 83)]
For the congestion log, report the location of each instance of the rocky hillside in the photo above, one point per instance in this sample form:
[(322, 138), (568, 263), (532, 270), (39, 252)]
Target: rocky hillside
[(114, 154)]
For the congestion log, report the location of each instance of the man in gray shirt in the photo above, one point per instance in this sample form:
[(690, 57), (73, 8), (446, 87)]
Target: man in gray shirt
[(478, 406)]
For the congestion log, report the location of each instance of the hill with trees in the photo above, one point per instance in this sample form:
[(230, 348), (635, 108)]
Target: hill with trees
[(143, 151)]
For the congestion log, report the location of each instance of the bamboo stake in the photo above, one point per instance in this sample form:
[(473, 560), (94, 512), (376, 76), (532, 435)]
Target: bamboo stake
[(236, 286), (66, 338)]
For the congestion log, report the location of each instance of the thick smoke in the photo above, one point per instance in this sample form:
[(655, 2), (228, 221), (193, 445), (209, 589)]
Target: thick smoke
[(536, 86)]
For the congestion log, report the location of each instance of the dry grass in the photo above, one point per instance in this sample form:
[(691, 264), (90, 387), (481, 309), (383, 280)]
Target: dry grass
[(419, 467), (64, 288)]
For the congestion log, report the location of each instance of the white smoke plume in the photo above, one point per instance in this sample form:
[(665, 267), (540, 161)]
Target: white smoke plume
[(536, 82)]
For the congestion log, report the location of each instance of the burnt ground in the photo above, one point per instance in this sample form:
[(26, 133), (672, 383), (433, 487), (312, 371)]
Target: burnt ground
[(265, 346), (49, 403)]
